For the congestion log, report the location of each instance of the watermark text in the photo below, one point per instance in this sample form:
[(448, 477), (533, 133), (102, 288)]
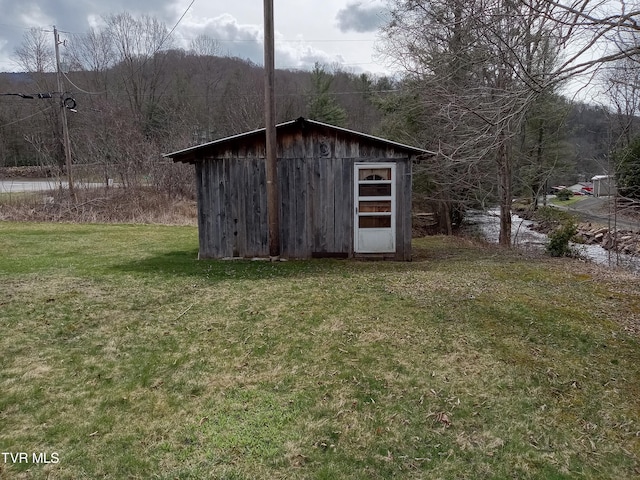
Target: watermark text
[(34, 458)]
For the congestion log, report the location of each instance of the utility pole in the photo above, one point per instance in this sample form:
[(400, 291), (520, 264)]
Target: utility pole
[(66, 142), (273, 207)]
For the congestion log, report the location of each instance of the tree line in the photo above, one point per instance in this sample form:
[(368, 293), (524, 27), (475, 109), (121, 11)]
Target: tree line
[(483, 85)]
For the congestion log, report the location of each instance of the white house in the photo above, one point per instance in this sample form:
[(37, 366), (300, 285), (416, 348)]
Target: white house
[(603, 185)]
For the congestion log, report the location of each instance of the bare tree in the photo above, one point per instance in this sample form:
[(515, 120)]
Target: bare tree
[(479, 65), (35, 53), (591, 33), (137, 44), (483, 64), (93, 52), (206, 51), (242, 108), (205, 46), (44, 134), (620, 84)]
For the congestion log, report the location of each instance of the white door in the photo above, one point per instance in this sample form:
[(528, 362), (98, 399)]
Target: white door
[(375, 207)]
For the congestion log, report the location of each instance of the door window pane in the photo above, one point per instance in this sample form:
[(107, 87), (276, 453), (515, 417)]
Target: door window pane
[(374, 190), (375, 222), (380, 206), (374, 174)]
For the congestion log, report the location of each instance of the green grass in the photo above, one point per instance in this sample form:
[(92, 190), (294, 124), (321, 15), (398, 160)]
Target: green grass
[(566, 203), (129, 358)]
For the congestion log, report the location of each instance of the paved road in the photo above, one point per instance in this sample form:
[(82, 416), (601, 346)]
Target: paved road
[(23, 185), (596, 210), (14, 185)]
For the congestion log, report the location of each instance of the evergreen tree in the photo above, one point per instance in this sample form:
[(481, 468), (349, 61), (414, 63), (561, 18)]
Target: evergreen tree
[(323, 106), (628, 170)]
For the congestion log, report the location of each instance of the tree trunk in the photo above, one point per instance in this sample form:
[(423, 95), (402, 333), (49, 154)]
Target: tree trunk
[(504, 188)]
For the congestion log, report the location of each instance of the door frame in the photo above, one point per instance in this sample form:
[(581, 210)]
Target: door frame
[(356, 200)]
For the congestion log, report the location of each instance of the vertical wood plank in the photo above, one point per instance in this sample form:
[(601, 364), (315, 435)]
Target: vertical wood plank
[(343, 198), (302, 194), (240, 213), (258, 227), (328, 207), (403, 209), (202, 195), (286, 206), (222, 207), (320, 214), (215, 168)]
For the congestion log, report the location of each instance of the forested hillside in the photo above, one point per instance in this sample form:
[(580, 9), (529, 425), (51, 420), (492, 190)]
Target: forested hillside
[(194, 98), (127, 115)]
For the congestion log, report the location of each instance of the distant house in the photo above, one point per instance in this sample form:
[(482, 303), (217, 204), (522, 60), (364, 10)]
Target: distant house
[(603, 185), (582, 188), (342, 193)]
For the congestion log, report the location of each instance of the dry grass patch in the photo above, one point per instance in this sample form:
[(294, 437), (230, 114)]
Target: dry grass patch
[(104, 205)]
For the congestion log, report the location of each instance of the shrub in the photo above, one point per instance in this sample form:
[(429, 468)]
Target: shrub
[(559, 239), (564, 194), (554, 215)]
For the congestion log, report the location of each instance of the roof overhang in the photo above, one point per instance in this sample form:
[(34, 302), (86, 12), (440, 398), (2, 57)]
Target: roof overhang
[(191, 154)]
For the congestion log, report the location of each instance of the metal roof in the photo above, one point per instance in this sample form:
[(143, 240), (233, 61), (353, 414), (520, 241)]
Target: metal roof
[(301, 121)]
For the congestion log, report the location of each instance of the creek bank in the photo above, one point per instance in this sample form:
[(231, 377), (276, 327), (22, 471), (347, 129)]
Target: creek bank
[(620, 241), (590, 233)]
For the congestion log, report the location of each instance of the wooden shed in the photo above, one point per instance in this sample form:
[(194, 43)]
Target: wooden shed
[(342, 193)]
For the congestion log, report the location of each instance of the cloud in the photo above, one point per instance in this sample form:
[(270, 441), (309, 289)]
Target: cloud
[(235, 39), (303, 35), (246, 41), (356, 17), (67, 15)]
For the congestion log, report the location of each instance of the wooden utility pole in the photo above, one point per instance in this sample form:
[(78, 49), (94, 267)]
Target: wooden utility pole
[(273, 204), (66, 142)]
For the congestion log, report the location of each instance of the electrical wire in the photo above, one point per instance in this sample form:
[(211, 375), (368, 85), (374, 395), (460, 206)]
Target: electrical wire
[(260, 95), (166, 37), (31, 96), (177, 23), (27, 118), (80, 89)]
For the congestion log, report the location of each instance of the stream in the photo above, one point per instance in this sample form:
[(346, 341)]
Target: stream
[(524, 237)]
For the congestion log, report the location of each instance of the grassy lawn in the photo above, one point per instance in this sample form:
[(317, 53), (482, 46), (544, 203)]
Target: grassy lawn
[(566, 203), (127, 358)]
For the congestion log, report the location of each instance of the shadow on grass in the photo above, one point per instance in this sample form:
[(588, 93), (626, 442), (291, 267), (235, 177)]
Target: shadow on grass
[(185, 263)]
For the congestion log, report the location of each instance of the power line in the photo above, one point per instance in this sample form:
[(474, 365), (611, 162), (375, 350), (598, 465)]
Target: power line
[(157, 49), (26, 118), (259, 95), (178, 22), (80, 89), (302, 40), (31, 96), (26, 29)]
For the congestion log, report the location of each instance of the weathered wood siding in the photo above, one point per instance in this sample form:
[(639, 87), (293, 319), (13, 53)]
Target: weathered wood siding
[(403, 209), (315, 176), (232, 208)]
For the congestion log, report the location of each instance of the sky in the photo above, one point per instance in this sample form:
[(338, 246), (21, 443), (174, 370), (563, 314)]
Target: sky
[(332, 32)]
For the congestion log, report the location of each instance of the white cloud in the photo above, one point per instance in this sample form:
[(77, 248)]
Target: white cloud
[(245, 40)]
